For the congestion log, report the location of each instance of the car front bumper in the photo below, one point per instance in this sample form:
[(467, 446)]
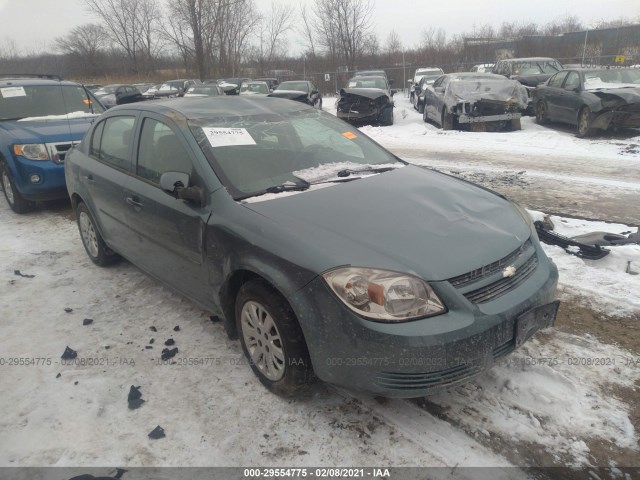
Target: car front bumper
[(420, 357), (50, 184)]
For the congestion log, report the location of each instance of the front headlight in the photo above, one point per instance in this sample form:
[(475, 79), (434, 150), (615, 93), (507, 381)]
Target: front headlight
[(32, 151), (382, 295)]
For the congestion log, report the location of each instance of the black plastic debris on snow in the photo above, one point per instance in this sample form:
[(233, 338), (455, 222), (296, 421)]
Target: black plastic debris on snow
[(86, 476), (151, 341), (23, 275), (168, 353), (58, 375), (87, 321), (157, 433), (590, 252), (170, 342), (153, 329), (68, 310), (135, 398), (148, 347), (69, 354), (176, 328)]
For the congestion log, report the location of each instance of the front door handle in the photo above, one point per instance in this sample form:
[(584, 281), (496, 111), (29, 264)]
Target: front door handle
[(89, 178), (133, 201)]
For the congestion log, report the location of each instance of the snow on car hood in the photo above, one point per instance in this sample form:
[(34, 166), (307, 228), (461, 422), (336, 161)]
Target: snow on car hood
[(474, 90), (411, 219), (290, 94)]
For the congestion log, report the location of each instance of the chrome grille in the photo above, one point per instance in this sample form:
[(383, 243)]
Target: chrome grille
[(504, 285), (482, 272), (58, 151)]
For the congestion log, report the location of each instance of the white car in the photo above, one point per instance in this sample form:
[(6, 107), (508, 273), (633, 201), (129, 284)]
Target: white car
[(482, 68), (430, 72), (254, 88)]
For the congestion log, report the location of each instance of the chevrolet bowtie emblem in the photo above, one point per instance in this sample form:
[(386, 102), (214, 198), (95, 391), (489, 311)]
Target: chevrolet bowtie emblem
[(510, 271)]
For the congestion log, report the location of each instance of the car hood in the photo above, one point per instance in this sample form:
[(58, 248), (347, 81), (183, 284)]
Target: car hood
[(290, 94), (47, 131), (411, 219), (630, 95), (371, 93)]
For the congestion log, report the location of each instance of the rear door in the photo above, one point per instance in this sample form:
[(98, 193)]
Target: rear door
[(106, 174), (552, 96), (168, 234)]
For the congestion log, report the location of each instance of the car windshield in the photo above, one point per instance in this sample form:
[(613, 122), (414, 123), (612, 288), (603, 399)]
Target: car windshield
[(46, 102), (257, 87), (536, 67), (432, 74), (208, 91), (298, 86), (613, 78), (257, 153), (368, 82)]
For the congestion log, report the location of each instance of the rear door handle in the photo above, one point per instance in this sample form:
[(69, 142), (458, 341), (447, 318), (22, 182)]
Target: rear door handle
[(133, 201)]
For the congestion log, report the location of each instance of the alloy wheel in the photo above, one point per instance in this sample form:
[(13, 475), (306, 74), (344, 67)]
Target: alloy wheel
[(88, 234), (8, 189), (263, 340)]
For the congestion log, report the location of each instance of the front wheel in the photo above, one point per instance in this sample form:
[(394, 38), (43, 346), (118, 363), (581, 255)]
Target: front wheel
[(425, 116), (584, 122), (541, 113), (93, 243), (272, 339), (15, 200)]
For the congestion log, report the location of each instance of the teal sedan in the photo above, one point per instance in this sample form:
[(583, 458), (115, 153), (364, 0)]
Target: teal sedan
[(325, 254)]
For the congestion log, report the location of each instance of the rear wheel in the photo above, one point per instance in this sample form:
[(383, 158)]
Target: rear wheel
[(15, 200), (272, 339), (93, 243), (425, 116), (584, 122), (541, 113), (420, 106), (387, 116), (447, 120)]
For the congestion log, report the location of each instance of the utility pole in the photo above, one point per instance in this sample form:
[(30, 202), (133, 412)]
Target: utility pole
[(584, 49)]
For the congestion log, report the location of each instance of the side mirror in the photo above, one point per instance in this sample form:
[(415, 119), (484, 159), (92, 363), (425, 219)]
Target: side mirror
[(172, 181), (314, 92), (410, 82), (393, 91), (392, 81)]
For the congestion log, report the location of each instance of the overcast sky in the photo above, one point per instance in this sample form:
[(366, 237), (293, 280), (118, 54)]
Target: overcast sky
[(34, 24)]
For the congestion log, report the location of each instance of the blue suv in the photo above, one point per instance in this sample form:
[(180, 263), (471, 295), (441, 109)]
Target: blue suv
[(41, 118)]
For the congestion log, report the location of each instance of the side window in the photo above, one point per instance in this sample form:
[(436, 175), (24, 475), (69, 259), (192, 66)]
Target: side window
[(95, 140), (160, 150), (116, 138), (557, 79), (572, 82)]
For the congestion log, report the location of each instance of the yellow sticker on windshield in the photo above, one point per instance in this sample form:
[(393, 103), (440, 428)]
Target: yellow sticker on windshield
[(349, 135)]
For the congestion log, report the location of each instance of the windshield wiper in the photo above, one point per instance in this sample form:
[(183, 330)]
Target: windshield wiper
[(289, 187), (348, 171)]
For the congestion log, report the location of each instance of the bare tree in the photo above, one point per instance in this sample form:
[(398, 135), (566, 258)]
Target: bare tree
[(130, 24), (276, 25), (306, 30), (84, 41), (393, 45)]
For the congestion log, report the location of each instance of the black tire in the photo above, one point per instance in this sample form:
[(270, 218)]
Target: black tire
[(584, 123), (93, 243), (14, 198), (447, 120), (265, 320), (425, 117), (514, 125), (420, 107), (541, 113)]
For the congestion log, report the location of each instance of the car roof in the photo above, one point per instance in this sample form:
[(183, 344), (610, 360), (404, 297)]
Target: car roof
[(232, 106), (463, 75)]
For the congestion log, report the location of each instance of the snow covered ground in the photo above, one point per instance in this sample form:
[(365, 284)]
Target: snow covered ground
[(562, 399)]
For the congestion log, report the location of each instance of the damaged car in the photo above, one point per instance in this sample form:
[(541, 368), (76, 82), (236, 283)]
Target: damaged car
[(300, 91), (479, 101), (366, 100), (422, 77), (590, 99), (326, 255)]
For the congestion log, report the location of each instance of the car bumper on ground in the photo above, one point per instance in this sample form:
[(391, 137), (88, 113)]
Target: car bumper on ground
[(416, 358)]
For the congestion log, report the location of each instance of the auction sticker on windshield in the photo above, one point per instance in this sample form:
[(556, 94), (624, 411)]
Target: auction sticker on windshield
[(225, 137), (9, 92)]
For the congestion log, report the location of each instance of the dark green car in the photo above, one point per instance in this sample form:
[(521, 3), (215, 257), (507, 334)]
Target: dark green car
[(327, 255)]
